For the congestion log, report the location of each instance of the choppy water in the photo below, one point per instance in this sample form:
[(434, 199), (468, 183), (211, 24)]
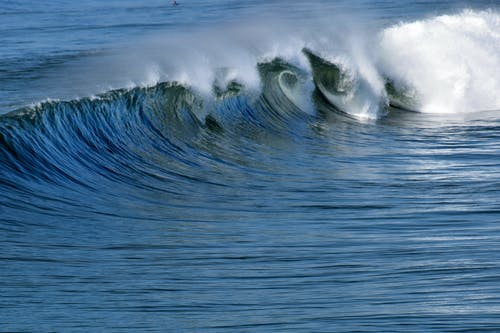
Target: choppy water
[(250, 167)]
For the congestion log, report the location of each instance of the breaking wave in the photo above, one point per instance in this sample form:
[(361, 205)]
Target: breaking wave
[(186, 111), (445, 64)]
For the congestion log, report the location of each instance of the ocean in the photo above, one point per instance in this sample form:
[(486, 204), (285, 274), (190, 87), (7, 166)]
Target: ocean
[(250, 166)]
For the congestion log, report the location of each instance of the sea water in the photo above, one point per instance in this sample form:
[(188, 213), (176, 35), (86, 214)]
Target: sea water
[(250, 166)]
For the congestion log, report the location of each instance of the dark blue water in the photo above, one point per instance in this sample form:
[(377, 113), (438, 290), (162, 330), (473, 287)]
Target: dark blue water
[(192, 169)]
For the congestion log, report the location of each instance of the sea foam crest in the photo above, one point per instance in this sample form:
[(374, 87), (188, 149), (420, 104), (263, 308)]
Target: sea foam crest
[(442, 64), (452, 61)]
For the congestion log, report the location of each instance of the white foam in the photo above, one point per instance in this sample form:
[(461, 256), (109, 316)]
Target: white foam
[(453, 61)]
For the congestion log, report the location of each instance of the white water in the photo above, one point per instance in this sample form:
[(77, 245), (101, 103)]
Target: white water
[(453, 61)]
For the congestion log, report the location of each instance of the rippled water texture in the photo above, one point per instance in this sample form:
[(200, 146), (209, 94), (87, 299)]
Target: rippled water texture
[(155, 178)]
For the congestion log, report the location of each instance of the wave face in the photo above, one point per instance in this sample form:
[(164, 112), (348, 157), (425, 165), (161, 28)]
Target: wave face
[(163, 134)]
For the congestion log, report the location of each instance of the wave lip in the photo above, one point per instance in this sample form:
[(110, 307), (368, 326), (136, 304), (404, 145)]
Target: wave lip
[(356, 91)]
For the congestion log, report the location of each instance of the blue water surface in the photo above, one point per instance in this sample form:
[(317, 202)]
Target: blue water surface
[(128, 213)]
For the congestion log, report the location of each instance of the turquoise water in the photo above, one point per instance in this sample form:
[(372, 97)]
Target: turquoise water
[(325, 166)]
